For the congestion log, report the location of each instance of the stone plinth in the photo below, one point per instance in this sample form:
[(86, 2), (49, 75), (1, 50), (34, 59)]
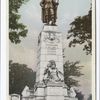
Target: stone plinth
[(52, 91)]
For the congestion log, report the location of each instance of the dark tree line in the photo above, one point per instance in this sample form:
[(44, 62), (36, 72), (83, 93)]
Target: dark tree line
[(20, 76)]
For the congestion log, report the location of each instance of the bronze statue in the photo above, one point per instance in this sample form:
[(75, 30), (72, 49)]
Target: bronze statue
[(49, 11)]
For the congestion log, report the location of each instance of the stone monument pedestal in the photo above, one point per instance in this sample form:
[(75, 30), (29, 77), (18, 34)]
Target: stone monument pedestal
[(49, 74)]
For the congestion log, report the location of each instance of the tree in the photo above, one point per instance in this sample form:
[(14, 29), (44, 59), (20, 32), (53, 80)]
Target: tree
[(81, 32), (72, 70), (16, 29), (19, 77)]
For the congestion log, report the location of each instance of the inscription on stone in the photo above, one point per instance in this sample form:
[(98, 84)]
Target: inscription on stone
[(51, 49)]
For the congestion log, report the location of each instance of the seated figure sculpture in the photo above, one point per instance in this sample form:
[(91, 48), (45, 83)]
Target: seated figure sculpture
[(52, 74)]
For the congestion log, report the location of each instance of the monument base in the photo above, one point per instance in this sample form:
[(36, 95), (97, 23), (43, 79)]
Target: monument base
[(50, 91)]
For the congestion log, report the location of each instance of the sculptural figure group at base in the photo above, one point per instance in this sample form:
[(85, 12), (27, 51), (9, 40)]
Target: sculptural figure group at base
[(52, 74)]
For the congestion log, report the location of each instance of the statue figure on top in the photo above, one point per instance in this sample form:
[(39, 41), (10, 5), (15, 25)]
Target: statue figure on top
[(49, 11)]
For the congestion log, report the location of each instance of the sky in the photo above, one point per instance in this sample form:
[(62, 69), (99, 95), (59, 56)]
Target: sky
[(26, 51)]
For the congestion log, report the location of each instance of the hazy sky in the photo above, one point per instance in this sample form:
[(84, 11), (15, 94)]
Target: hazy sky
[(26, 51)]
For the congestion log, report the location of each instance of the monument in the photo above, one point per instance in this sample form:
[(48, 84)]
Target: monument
[(49, 73)]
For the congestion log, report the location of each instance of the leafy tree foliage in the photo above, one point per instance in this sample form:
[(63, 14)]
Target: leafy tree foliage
[(81, 32), (16, 29), (19, 77), (72, 70)]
